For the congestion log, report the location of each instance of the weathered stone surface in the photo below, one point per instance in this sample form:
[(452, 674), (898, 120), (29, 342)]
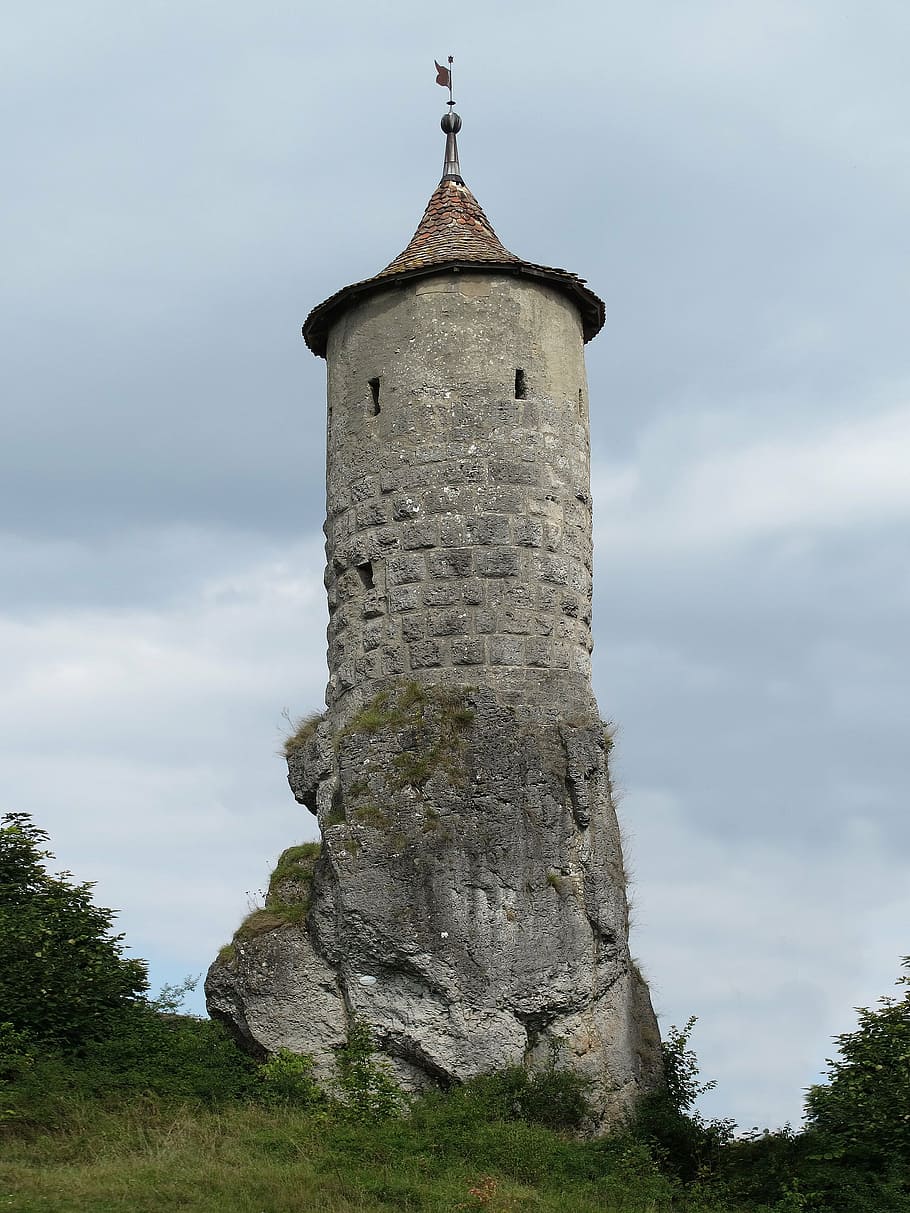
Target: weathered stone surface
[(457, 492), (471, 865), (276, 992)]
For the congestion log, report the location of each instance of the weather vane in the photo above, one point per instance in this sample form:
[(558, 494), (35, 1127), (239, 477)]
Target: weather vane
[(451, 125), (444, 77)]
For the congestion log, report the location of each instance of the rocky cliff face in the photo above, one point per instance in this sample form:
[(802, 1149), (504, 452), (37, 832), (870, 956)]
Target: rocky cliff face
[(468, 901)]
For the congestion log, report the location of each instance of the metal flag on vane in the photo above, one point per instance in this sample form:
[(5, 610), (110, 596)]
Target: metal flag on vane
[(444, 77)]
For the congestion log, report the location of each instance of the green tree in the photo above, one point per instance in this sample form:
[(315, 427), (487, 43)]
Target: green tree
[(683, 1143), (863, 1111), (368, 1090), (63, 977)]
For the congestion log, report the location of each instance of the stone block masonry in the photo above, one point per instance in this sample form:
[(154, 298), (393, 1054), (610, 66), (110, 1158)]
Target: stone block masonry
[(458, 512)]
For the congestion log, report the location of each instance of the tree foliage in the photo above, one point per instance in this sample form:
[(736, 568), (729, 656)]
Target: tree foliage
[(863, 1111), (63, 976), (681, 1139)]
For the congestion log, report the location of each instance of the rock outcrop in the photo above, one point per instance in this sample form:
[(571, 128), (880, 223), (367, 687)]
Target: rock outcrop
[(467, 903)]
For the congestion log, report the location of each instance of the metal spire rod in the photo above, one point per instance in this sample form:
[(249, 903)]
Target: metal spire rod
[(451, 125)]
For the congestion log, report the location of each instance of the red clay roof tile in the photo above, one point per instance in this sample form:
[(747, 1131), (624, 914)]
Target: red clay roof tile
[(453, 228), (453, 234)]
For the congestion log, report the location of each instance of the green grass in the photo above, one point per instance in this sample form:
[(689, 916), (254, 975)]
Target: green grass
[(287, 901), (167, 1116), (146, 1157), (301, 732)]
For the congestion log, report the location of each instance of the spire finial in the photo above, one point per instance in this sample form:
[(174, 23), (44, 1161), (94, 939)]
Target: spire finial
[(451, 125)]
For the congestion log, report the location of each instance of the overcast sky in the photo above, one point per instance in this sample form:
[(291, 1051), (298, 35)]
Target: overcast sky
[(183, 182)]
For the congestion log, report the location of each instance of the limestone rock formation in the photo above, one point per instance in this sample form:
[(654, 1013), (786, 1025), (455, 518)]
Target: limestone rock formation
[(468, 902)]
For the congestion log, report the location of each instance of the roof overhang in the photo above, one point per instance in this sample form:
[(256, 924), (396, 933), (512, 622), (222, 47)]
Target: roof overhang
[(320, 320)]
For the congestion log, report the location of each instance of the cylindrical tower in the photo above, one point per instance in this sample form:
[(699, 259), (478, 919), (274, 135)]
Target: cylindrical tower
[(468, 901), (459, 509), (459, 519)]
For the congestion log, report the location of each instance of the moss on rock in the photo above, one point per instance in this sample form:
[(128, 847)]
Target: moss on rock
[(434, 723), (287, 901)]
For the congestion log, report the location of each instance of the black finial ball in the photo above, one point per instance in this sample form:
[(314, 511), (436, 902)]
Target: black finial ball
[(451, 123)]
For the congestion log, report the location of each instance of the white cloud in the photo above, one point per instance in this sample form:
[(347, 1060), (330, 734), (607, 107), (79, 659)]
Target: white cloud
[(770, 944), (146, 742), (693, 483)]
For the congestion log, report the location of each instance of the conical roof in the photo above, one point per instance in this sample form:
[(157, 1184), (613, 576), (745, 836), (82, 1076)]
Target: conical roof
[(453, 228), (454, 234)]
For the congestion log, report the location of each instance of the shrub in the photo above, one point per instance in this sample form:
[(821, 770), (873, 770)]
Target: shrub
[(287, 1079), (63, 976), (863, 1111), (684, 1144), (17, 1052), (148, 1056), (556, 1099), (368, 1091)]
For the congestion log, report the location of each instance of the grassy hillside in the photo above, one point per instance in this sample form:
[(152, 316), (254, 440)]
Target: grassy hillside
[(143, 1157)]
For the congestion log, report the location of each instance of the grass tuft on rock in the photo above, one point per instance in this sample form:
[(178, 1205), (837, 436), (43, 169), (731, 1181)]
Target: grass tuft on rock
[(287, 901), (302, 730)]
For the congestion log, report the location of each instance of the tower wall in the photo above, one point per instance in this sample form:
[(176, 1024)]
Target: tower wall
[(458, 506)]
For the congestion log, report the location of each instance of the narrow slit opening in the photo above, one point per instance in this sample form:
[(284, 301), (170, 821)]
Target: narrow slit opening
[(365, 573), (374, 392), (581, 403), (521, 387)]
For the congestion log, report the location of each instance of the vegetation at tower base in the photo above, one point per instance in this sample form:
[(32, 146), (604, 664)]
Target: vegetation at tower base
[(75, 1020)]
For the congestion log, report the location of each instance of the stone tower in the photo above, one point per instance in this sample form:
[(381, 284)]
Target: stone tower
[(468, 899)]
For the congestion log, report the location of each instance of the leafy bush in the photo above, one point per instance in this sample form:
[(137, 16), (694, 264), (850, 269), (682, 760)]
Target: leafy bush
[(169, 1055), (17, 1052), (287, 1078), (368, 1091), (856, 1148), (684, 1144), (863, 1111), (63, 976), (149, 1055), (763, 1169), (556, 1099)]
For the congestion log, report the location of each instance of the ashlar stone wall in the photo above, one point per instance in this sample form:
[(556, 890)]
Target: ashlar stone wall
[(458, 507)]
